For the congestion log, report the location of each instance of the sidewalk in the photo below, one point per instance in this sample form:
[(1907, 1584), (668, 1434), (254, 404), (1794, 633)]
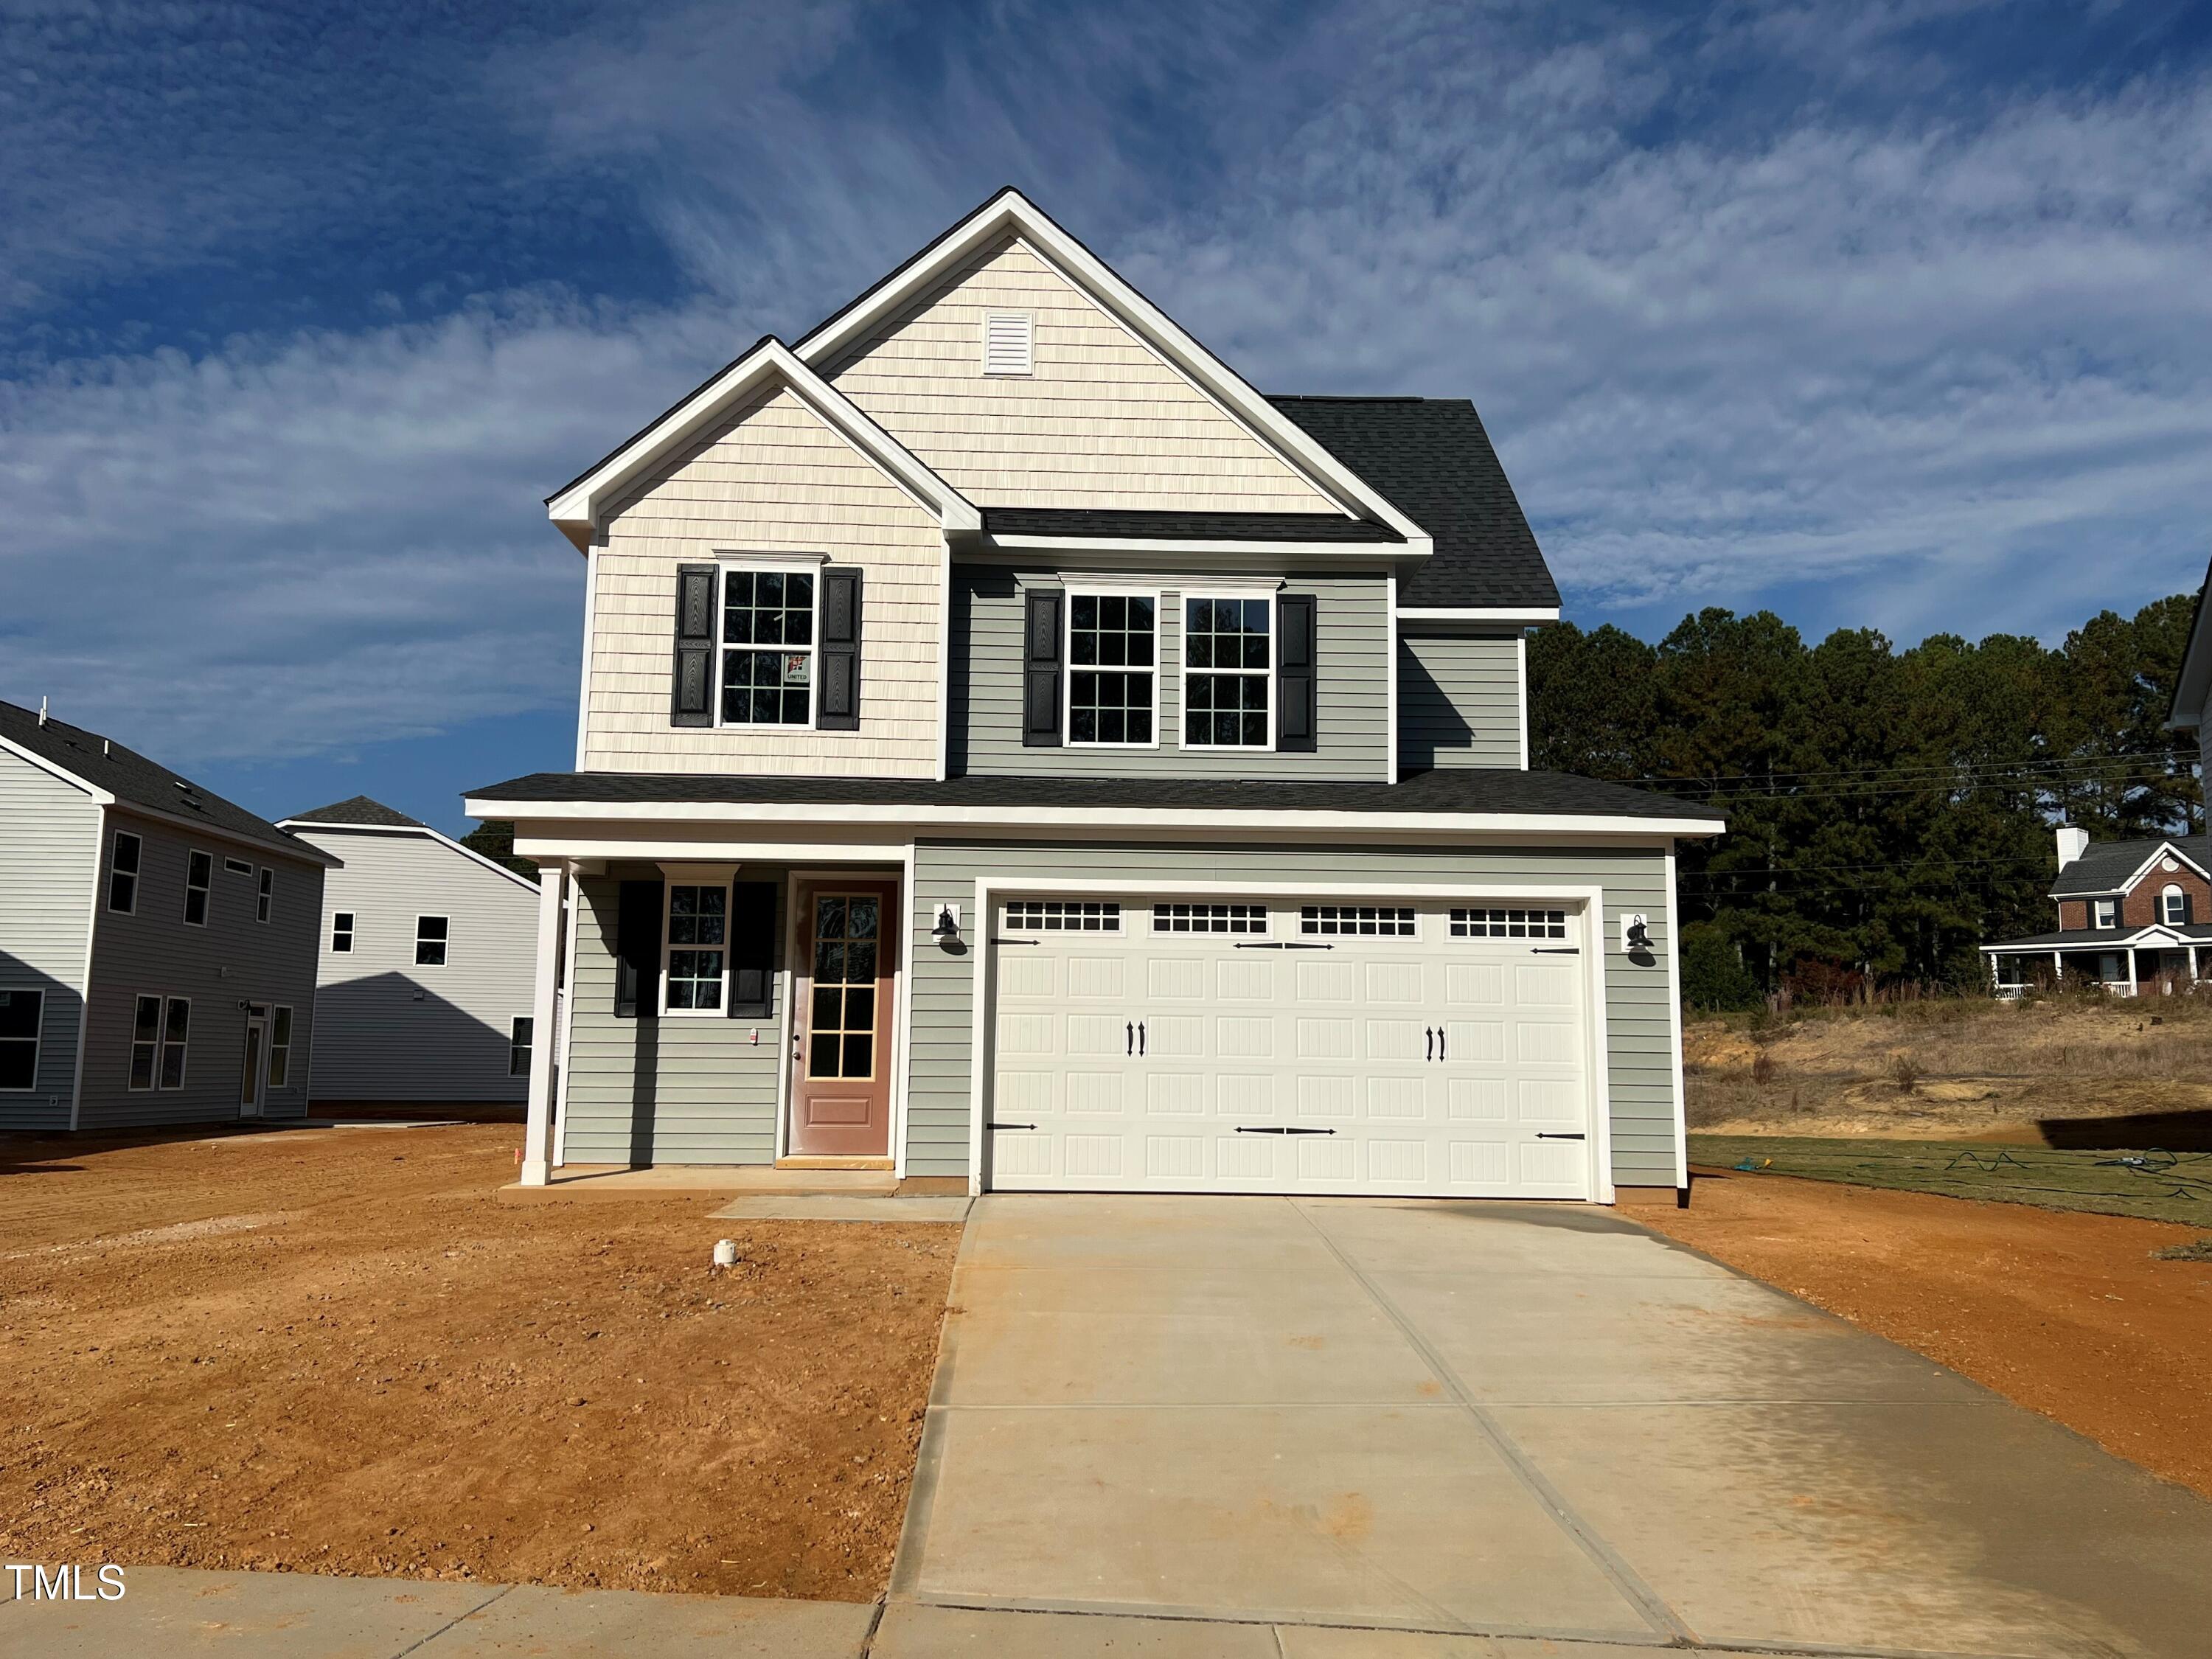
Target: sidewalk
[(180, 1611)]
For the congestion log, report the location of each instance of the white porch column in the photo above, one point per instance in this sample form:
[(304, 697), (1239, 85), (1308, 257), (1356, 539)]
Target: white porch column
[(545, 1017)]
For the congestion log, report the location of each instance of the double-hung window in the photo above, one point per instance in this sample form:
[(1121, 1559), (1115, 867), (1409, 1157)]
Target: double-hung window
[(2103, 913), (280, 1048), (1228, 673), (518, 1045), (1113, 679), (696, 954), (20, 1013), (2174, 906), (769, 635), (145, 1041), (432, 935), (159, 1039), (341, 932), (265, 894), (123, 873), (199, 876)]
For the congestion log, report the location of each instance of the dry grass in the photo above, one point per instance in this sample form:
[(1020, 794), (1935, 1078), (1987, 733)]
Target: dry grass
[(1965, 1065)]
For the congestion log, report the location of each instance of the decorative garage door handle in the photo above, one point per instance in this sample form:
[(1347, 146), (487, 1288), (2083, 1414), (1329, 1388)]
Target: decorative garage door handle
[(1129, 1037), (1542, 1136), (1555, 950), (1271, 1129), (1429, 1032), (1140, 1039), (1009, 1126), (1283, 944)]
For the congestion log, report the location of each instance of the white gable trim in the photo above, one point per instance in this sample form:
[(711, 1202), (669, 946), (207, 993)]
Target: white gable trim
[(305, 828), (579, 508), (55, 769), (2164, 850), (1012, 213)]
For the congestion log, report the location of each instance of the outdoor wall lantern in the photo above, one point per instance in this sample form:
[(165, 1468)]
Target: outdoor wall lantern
[(947, 931)]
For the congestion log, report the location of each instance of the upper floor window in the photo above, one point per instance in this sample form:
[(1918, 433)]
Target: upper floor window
[(265, 895), (430, 941), (342, 933), (768, 647), (2172, 905), (238, 866), (2103, 913), (1228, 670), (199, 876), (123, 873), (695, 957), (1112, 683)]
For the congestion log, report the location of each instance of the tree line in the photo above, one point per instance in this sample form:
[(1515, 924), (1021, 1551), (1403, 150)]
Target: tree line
[(1889, 810)]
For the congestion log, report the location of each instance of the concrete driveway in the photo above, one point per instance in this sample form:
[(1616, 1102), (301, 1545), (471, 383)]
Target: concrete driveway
[(1498, 1420)]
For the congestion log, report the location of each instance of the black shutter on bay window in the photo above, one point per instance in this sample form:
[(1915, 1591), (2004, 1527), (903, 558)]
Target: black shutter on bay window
[(1298, 675), (1041, 669), (837, 698), (637, 950), (691, 695), (752, 949)]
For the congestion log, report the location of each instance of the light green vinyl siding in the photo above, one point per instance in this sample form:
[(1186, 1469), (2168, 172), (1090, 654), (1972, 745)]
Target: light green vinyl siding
[(667, 1090), (50, 836), (1353, 623), (1459, 702), (1638, 1036)]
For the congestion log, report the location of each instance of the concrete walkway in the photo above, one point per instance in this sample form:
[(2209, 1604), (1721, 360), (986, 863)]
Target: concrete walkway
[(1493, 1421)]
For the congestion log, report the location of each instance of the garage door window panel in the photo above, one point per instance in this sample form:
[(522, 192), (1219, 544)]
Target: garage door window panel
[(1508, 924), (1210, 919), (1112, 680), (1358, 920), (1063, 917)]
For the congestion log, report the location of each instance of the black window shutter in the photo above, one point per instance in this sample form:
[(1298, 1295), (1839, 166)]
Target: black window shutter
[(691, 697), (1298, 675), (1041, 669), (637, 950), (837, 698), (752, 949)]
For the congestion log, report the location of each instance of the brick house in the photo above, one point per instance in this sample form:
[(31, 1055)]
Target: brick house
[(2132, 914)]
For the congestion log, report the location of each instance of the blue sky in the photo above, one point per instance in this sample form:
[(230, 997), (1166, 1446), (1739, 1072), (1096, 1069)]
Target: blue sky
[(1889, 314)]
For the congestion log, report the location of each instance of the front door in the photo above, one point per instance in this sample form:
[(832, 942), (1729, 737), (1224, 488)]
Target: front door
[(256, 1063), (841, 1020)]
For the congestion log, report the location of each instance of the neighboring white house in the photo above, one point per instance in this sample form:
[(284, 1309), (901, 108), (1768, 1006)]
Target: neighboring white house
[(423, 985)]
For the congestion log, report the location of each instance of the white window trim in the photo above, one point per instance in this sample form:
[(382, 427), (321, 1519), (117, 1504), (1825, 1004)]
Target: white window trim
[(274, 1048), (1265, 676), (38, 1036), (264, 894), (528, 1050), (675, 877), (2172, 890), (432, 915), (153, 1072), (2101, 908), (1104, 591), (1028, 371), (114, 842), (349, 930), (798, 566), (207, 910), (161, 1048)]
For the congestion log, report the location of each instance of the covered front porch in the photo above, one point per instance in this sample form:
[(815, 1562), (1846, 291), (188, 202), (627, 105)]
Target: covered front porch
[(2163, 960)]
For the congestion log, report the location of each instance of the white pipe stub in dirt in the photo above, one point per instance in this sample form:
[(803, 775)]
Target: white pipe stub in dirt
[(726, 1253)]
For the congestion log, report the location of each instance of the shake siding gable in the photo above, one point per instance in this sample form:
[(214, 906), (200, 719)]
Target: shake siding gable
[(1101, 422), (773, 480), (50, 861)]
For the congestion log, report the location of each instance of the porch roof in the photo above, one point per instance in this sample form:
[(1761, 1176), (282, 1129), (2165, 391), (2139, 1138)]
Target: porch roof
[(2110, 938)]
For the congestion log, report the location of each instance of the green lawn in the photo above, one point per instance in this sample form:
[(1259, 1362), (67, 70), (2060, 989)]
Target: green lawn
[(2163, 1187)]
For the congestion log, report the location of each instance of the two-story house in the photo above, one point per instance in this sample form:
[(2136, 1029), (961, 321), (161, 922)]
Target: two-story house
[(157, 942), (2133, 916), (1017, 754), (428, 950)]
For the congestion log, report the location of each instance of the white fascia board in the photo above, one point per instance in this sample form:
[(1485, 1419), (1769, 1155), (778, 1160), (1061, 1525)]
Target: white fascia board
[(1093, 818), (1510, 615), (305, 828), (54, 769), (2164, 850), (1415, 546), (769, 363), (1011, 212)]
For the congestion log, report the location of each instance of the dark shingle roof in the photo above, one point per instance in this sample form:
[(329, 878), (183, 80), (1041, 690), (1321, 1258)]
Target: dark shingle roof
[(1079, 522), (134, 781), (359, 810), (1492, 790), (1431, 458), (2105, 865)]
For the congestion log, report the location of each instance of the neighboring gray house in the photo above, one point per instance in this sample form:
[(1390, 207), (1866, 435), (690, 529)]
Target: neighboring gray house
[(422, 993), (157, 943), (1014, 752)]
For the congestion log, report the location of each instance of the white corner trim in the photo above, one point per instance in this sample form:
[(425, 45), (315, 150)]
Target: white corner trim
[(1516, 616), (1521, 668), (1010, 213), (1674, 1026), (102, 845), (580, 505), (584, 669), (1393, 739), (943, 768)]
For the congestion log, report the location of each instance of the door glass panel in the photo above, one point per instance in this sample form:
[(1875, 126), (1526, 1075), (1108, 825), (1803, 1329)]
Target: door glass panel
[(860, 919), (859, 1053), (842, 1041), (861, 962), (824, 1060), (829, 960), (826, 1008), (860, 1009)]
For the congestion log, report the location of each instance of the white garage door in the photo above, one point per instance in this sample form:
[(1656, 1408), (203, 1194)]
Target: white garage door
[(1278, 1046)]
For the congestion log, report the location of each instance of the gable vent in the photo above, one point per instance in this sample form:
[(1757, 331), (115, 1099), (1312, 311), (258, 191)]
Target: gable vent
[(1007, 337)]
